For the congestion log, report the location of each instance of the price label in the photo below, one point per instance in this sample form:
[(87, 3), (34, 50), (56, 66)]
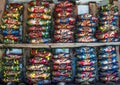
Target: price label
[(82, 9), (87, 1)]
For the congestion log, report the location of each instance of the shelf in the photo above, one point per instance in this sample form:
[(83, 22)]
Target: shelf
[(72, 45), (58, 45)]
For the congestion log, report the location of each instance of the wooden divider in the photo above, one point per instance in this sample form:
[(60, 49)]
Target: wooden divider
[(93, 8), (115, 2), (25, 15), (2, 7)]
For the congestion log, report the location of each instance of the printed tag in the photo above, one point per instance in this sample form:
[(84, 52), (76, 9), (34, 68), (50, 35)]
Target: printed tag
[(82, 9)]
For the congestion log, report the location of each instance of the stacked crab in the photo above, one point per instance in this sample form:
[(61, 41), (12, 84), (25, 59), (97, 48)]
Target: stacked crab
[(39, 22), (108, 64), (86, 72), (38, 68), (86, 28), (109, 29), (12, 65), (12, 24), (86, 56), (64, 22), (62, 65)]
